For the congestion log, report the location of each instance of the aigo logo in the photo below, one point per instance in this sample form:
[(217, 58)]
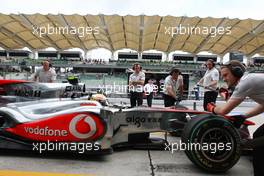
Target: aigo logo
[(78, 121)]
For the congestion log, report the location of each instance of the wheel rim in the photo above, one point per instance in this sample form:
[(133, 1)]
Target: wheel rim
[(217, 135)]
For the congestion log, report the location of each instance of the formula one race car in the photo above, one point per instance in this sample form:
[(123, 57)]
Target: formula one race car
[(66, 124), (21, 90)]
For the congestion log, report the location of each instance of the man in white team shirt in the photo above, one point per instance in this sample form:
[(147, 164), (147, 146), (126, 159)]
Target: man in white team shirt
[(245, 85), (45, 74), (136, 85), (136, 88), (150, 89), (209, 82), (173, 87)]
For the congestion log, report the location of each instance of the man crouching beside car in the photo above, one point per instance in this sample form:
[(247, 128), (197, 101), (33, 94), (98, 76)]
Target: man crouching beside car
[(245, 85)]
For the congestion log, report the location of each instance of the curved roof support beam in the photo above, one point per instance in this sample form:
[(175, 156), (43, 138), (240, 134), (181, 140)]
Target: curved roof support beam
[(124, 29), (132, 41), (95, 40), (28, 24), (247, 37), (115, 33), (17, 38), (157, 32), (2, 45), (173, 38), (216, 42), (151, 33), (50, 21), (62, 18), (86, 21), (222, 44), (255, 51), (106, 31), (200, 19), (8, 22), (120, 48), (141, 31), (207, 38), (242, 28), (150, 41)]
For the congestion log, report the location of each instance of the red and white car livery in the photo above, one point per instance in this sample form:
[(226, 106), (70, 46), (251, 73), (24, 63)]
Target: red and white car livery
[(52, 120), (84, 121)]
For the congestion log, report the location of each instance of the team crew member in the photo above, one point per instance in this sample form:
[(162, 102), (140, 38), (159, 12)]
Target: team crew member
[(209, 82), (45, 74), (173, 87), (150, 89), (136, 85), (246, 85)]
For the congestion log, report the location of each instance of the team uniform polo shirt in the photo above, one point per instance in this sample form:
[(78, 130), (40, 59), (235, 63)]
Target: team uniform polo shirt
[(137, 77), (46, 76), (175, 84), (250, 85), (209, 76)]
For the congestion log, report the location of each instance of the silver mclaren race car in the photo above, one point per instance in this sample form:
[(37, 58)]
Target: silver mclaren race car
[(67, 123)]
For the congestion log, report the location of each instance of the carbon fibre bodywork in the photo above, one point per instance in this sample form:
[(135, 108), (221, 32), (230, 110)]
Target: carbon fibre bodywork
[(21, 90)]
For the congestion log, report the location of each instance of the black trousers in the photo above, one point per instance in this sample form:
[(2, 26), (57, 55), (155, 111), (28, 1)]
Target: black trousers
[(209, 97), (149, 99), (258, 153), (168, 100), (136, 99)]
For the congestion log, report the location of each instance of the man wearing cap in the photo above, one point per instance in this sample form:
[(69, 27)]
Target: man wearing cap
[(173, 87)]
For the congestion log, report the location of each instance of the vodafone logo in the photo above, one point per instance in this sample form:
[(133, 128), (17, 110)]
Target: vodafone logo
[(86, 122)]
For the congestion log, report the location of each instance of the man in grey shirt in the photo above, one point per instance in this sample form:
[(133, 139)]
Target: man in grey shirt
[(246, 85), (45, 74)]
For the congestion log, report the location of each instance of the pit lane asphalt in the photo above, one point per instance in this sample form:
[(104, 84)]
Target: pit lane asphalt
[(123, 162)]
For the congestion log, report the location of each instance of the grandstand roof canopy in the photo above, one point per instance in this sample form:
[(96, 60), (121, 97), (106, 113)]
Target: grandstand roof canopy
[(140, 33)]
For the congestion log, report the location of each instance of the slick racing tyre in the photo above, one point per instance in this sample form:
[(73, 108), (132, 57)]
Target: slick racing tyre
[(212, 143)]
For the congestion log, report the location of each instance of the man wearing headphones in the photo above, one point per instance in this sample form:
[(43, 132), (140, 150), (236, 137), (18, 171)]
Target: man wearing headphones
[(136, 85), (45, 74), (209, 82), (245, 85), (173, 85)]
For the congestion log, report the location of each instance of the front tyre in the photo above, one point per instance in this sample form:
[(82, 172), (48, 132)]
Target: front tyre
[(213, 143)]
